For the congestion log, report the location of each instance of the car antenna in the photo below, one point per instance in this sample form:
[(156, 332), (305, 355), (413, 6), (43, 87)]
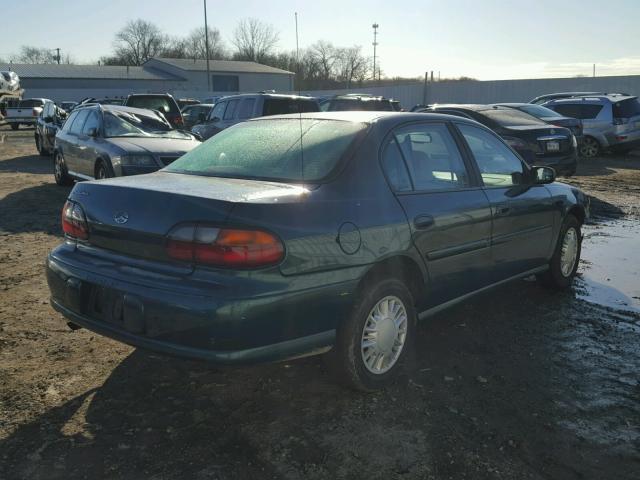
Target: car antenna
[(298, 102)]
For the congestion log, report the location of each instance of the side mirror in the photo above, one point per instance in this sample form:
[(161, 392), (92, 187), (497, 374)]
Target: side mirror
[(544, 175), (214, 119), (48, 119), (93, 132)]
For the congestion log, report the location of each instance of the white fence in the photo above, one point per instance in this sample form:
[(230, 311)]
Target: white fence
[(493, 91)]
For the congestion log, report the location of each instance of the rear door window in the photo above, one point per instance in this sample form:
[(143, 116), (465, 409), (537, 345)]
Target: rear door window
[(432, 157), (394, 167), (581, 111), (246, 108)]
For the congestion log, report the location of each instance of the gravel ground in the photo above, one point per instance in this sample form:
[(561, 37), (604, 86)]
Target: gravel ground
[(519, 383)]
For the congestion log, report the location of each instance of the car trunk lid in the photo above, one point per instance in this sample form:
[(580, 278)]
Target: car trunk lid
[(132, 215)]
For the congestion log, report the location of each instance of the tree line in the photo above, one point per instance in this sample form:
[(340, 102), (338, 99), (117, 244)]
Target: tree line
[(319, 66)]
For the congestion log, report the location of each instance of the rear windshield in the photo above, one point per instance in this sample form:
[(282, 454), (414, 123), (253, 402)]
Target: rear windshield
[(30, 103), (281, 106), (127, 124), (626, 108), (162, 104), (271, 150), (510, 117), (538, 111)]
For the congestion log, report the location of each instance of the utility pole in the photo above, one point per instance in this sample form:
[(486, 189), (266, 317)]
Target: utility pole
[(57, 55), (206, 46), (375, 44), (594, 70)]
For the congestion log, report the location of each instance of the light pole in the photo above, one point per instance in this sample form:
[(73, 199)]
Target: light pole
[(375, 44), (206, 45)]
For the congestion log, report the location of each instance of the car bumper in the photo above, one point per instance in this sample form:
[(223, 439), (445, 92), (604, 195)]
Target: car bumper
[(187, 319), (563, 165), (21, 121)]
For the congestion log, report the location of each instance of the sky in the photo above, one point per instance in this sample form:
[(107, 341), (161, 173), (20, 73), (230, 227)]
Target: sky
[(484, 39)]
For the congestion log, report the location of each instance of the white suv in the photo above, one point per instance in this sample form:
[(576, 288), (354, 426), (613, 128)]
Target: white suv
[(609, 121)]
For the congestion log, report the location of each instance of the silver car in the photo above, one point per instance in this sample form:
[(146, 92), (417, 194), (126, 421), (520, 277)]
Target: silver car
[(99, 141), (609, 121)]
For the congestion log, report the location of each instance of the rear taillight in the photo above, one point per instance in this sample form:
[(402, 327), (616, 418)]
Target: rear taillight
[(224, 247), (74, 222), (178, 120)]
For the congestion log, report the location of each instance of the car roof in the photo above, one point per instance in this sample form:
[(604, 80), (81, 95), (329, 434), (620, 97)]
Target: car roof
[(474, 107), (116, 108), (511, 104), (150, 95), (269, 95), (594, 98), (365, 116)]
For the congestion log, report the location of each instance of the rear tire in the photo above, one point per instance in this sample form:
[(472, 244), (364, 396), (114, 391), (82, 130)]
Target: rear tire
[(590, 148), (60, 172), (566, 257), (372, 344)]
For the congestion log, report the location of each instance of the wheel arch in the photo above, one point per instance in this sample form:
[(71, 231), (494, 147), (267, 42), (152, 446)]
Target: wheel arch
[(403, 267)]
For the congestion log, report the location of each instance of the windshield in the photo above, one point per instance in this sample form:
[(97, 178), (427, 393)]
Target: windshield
[(162, 104), (128, 124), (510, 117), (270, 149), (538, 111)]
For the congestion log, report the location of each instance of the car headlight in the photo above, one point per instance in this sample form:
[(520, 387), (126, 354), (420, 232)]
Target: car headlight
[(134, 161)]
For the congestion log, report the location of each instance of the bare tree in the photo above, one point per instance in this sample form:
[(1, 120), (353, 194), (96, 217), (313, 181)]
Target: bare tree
[(196, 44), (350, 65), (29, 54), (324, 54), (138, 41), (254, 40)]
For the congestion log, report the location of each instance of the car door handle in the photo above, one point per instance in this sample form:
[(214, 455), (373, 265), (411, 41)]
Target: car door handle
[(502, 210), (423, 221)]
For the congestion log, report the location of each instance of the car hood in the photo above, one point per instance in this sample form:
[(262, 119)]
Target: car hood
[(154, 144)]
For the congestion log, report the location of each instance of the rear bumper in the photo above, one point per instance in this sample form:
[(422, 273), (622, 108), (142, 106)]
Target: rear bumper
[(21, 120), (221, 324)]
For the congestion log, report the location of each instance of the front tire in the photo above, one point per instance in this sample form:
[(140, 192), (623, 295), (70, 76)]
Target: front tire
[(566, 257), (102, 171), (42, 152), (372, 343)]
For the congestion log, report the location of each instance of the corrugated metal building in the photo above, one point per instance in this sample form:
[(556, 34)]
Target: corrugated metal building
[(158, 75)]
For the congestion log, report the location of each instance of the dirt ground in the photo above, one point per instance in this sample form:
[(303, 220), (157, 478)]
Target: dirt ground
[(519, 383)]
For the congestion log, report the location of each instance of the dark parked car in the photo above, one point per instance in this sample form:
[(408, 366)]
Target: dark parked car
[(162, 102), (101, 141), (48, 123), (68, 106), (184, 102), (195, 114), (238, 108), (356, 101), (536, 141), (549, 116), (256, 246)]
